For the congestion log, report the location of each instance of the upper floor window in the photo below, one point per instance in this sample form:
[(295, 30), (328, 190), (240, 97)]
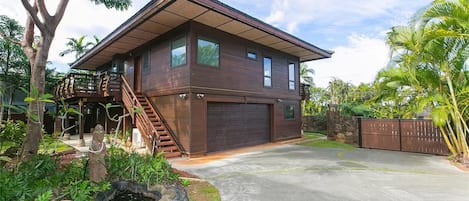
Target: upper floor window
[(146, 60), (267, 72), (178, 52), (208, 52), (291, 76), (252, 55)]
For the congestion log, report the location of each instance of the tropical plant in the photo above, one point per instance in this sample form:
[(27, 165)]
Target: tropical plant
[(306, 74), (13, 62), (12, 132), (429, 69), (37, 52), (78, 46), (141, 168)]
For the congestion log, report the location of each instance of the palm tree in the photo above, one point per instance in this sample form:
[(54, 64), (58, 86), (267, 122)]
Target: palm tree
[(78, 46), (429, 69), (306, 74)]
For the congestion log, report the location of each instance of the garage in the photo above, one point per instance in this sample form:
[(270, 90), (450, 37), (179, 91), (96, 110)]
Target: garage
[(234, 125)]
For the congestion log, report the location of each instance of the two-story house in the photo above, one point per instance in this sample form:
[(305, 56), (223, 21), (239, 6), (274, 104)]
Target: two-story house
[(209, 78)]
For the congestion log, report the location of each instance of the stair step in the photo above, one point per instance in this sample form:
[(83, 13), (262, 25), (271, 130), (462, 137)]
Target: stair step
[(161, 132), (172, 154), (168, 148), (166, 143), (165, 137)]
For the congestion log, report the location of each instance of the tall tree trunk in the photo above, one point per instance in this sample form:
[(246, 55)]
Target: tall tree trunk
[(36, 108), (10, 102), (38, 59)]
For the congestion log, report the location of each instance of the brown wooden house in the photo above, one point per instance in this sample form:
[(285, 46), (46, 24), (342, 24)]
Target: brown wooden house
[(209, 78)]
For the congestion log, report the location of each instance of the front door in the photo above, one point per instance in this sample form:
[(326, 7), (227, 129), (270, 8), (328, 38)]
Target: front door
[(138, 74)]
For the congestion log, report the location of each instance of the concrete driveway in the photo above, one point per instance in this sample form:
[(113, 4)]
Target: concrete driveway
[(292, 172)]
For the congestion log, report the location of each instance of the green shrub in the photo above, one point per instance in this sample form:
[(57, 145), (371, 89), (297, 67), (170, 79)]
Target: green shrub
[(140, 168), (41, 178), (13, 132)]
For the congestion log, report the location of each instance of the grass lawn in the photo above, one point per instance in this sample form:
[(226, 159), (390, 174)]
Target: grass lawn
[(46, 146), (202, 191), (319, 140)]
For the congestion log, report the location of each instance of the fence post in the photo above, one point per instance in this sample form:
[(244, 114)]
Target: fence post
[(400, 135), (359, 121)]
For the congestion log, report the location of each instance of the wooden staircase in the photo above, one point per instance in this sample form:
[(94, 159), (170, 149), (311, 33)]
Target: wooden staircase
[(155, 131), (165, 143)]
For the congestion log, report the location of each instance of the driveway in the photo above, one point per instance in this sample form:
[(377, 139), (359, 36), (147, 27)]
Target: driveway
[(292, 172)]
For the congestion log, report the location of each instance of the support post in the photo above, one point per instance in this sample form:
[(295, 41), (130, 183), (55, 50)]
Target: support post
[(81, 126)]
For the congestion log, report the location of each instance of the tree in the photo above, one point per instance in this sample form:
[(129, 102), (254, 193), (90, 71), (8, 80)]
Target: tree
[(78, 46), (12, 61), (429, 69), (306, 74), (38, 52)]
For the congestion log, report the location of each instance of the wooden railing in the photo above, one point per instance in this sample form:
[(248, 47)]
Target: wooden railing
[(88, 85), (131, 103), (76, 84)]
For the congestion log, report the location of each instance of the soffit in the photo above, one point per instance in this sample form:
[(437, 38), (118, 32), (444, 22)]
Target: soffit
[(165, 15)]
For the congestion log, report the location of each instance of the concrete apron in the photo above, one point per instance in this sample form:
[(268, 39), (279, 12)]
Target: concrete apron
[(292, 172)]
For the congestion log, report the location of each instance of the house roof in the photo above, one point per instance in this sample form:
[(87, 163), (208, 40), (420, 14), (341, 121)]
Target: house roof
[(161, 16)]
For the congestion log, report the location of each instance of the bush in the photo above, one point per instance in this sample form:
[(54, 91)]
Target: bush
[(13, 132), (140, 168), (41, 178)]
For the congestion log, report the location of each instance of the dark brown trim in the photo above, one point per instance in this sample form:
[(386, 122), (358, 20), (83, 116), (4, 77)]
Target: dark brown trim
[(155, 92), (219, 91)]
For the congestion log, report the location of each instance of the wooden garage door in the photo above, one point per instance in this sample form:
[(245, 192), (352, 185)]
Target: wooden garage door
[(232, 125)]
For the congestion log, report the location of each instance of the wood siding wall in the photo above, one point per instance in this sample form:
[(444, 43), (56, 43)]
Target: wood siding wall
[(287, 129), (176, 113), (238, 73)]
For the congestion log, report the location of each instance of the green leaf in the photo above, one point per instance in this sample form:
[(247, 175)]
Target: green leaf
[(439, 116), (45, 196), (47, 101), (29, 99), (393, 84), (47, 96), (5, 158)]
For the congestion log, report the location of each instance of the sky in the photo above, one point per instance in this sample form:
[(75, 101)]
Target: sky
[(354, 29)]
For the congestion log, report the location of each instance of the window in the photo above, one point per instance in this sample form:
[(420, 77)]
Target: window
[(267, 72), (291, 76), (289, 112), (252, 55), (146, 60), (208, 52), (178, 52)]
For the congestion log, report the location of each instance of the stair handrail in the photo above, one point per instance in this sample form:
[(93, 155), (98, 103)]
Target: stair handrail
[(127, 92)]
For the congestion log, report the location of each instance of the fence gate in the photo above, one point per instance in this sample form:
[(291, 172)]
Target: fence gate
[(407, 135)]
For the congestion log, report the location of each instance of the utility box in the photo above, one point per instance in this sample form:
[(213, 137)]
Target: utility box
[(137, 140)]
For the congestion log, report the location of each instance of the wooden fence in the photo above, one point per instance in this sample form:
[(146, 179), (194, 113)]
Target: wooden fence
[(407, 135)]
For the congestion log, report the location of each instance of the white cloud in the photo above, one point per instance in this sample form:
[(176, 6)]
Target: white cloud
[(357, 62), (290, 14)]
